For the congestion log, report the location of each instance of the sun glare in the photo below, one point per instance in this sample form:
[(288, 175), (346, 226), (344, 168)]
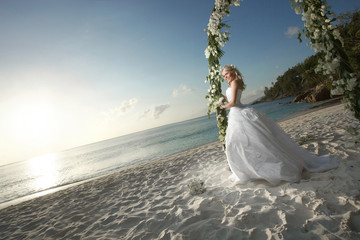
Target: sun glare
[(32, 121), (44, 171)]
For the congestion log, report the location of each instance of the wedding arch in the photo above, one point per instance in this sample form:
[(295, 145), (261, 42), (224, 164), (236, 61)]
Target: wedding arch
[(323, 35)]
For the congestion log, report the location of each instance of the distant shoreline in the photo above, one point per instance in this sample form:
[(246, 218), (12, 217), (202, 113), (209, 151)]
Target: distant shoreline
[(329, 103)]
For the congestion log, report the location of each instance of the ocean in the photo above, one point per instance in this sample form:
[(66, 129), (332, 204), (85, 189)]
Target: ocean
[(43, 174)]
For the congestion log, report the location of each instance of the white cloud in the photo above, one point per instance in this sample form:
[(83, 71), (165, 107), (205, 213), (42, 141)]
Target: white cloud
[(125, 106), (159, 110), (182, 90), (291, 32), (146, 113), (155, 111)]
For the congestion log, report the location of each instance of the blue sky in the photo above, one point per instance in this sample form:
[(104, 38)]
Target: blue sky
[(74, 72)]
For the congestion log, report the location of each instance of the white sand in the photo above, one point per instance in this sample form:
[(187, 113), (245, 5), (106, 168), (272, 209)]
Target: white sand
[(152, 202)]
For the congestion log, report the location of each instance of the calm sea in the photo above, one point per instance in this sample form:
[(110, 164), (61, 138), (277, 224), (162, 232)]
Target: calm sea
[(50, 172)]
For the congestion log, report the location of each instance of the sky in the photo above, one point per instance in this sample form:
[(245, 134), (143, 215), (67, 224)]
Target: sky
[(74, 72)]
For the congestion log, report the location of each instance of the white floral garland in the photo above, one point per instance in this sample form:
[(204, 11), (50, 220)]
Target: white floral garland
[(216, 40), (324, 37)]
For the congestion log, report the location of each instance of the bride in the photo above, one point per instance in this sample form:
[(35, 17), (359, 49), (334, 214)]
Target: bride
[(256, 147)]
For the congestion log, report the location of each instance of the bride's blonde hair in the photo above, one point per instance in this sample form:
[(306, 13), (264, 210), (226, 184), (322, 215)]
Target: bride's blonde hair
[(234, 72)]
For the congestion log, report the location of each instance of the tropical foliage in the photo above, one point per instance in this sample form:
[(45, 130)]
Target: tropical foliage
[(303, 76), (296, 80), (327, 40)]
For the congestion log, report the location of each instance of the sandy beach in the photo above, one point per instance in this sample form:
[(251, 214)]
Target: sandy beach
[(151, 201)]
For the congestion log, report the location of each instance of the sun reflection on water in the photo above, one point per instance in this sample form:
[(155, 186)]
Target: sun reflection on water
[(44, 170)]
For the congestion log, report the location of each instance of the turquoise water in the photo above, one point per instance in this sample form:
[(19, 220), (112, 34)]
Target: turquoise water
[(101, 158), (281, 109)]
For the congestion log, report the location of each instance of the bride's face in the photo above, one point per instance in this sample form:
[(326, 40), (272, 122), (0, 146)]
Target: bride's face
[(227, 76)]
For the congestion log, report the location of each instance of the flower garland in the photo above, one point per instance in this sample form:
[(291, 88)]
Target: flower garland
[(216, 40), (324, 37)]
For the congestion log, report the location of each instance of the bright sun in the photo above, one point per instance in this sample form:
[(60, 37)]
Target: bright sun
[(32, 122)]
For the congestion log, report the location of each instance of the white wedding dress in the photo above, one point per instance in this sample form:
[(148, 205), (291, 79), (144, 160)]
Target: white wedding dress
[(257, 148)]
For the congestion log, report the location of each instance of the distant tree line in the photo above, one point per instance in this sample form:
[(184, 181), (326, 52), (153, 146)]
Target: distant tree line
[(302, 77)]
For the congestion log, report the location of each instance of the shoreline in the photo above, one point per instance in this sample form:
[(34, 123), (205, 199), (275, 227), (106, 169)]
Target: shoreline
[(53, 190), (151, 200), (329, 103), (60, 188)]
